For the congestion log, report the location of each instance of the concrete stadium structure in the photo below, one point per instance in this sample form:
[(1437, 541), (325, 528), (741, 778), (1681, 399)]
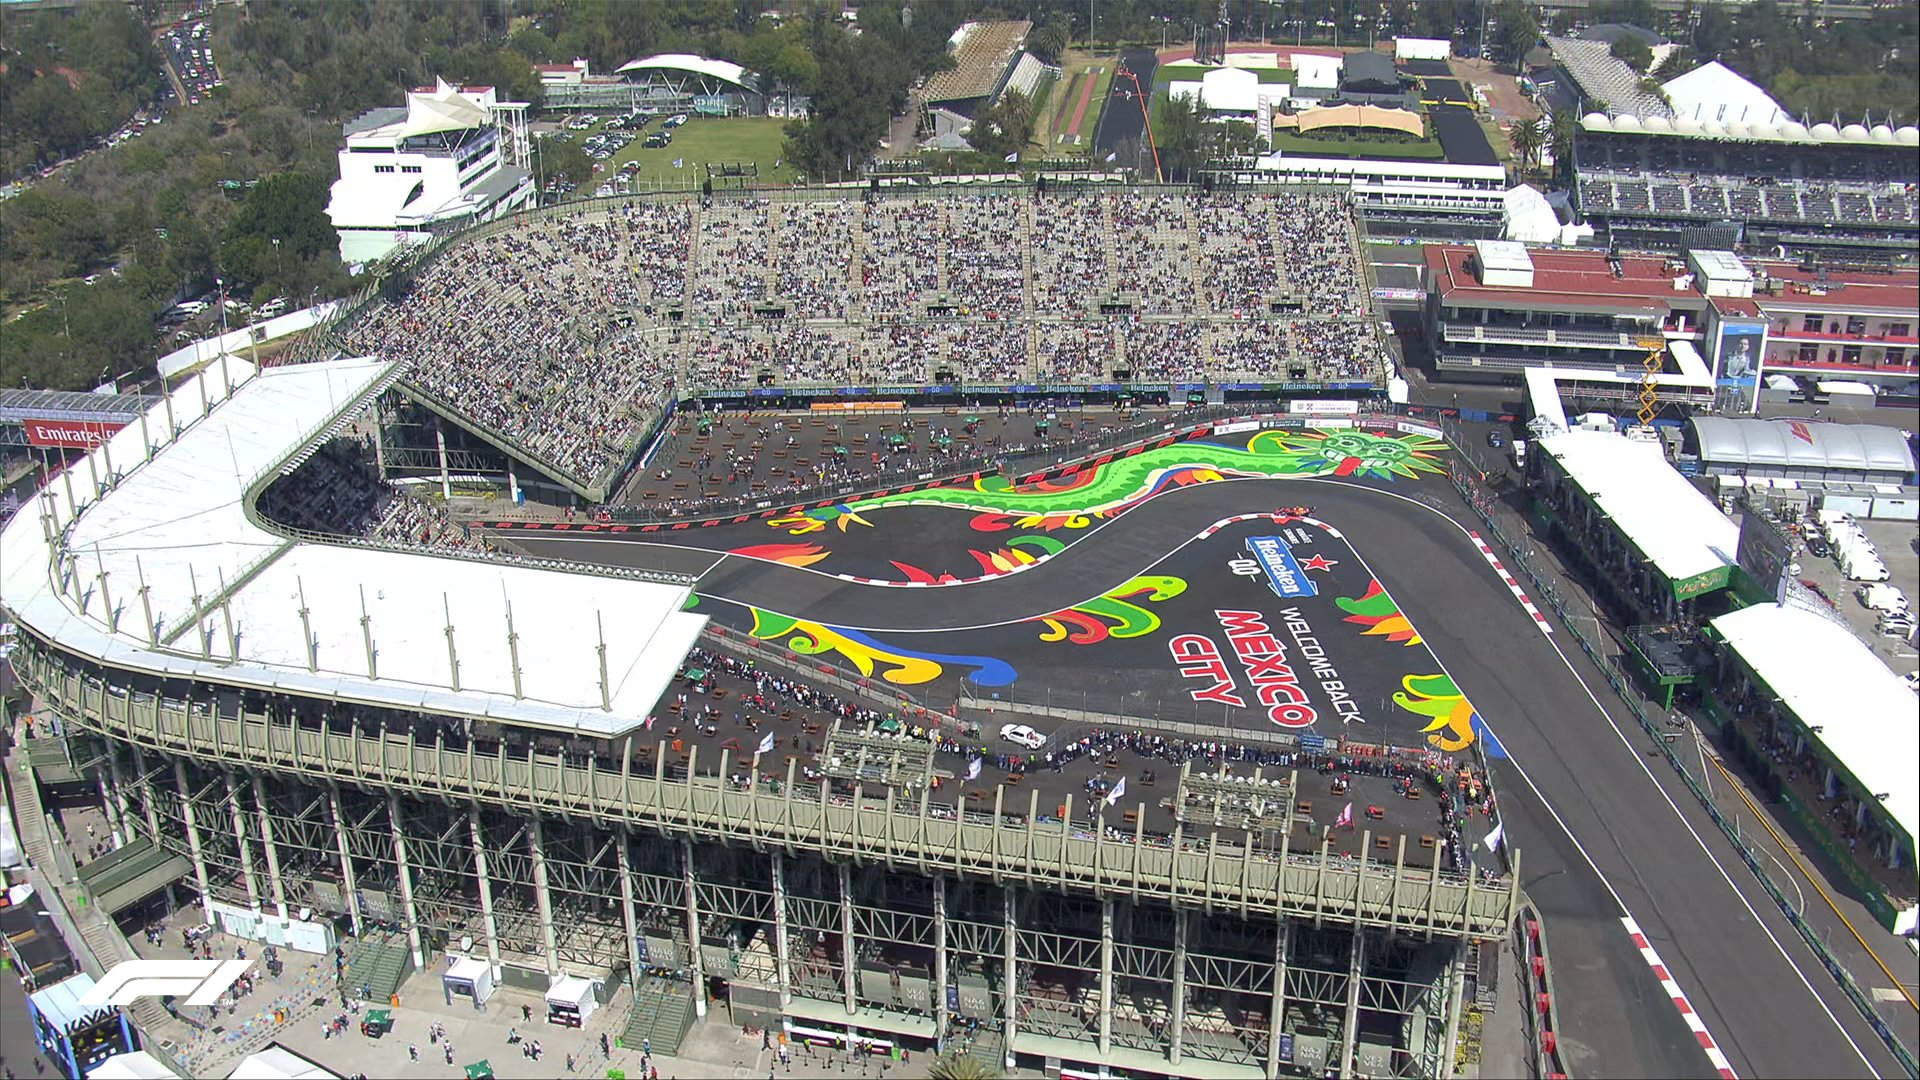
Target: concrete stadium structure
[(413, 759)]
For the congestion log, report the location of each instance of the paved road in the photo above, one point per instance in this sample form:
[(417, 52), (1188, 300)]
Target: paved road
[(1122, 128), (1602, 817)]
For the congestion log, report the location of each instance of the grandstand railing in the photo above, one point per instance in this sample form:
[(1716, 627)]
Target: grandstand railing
[(1061, 852)]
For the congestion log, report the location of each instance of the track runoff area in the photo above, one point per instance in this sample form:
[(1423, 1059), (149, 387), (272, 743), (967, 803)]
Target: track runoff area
[(1206, 598)]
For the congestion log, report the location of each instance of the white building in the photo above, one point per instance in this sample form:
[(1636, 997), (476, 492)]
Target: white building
[(441, 159)]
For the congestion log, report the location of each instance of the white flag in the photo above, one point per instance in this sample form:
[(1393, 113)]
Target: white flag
[(1013, 157), (1113, 156), (973, 769), (766, 744), (677, 162), (1119, 789), (1495, 837)]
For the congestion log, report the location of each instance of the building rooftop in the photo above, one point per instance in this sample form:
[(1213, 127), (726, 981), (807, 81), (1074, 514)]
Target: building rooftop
[(1560, 277), (1896, 291), (175, 534), (1853, 703), (1668, 519)]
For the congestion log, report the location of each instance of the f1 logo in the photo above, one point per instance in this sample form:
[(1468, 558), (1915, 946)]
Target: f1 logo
[(202, 981)]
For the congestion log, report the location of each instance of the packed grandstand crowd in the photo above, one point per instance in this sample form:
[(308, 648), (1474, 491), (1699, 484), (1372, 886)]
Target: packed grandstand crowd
[(1747, 180), (339, 491), (568, 333)]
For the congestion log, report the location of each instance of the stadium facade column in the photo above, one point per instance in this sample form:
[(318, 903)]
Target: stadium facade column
[(1177, 1019), (242, 843), (275, 882), (782, 964), (485, 882), (624, 853), (849, 962), (542, 898), (405, 875), (1009, 969), (1350, 1029), (113, 799), (1106, 977), (695, 963), (194, 849), (347, 887), (1277, 1012), (940, 962), (1456, 992), (149, 797)]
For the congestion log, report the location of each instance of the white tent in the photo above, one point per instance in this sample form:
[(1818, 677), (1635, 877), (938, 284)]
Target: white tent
[(445, 109), (468, 977), (279, 1063), (1714, 91), (1528, 218), (136, 1065), (570, 1000)]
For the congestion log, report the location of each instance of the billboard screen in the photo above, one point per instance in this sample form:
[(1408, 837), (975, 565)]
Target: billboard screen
[(1737, 361), (70, 434)]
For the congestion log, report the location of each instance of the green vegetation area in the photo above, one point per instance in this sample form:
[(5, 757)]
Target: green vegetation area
[(728, 140), (1370, 145), (1183, 71), (71, 79)]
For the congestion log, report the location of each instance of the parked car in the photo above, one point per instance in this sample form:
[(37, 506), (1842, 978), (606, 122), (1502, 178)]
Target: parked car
[(1817, 546), (1022, 735), (1496, 438)]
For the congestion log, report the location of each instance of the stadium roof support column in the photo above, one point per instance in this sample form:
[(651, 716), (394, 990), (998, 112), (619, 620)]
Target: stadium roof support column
[(486, 891), (149, 797), (1010, 966), (1456, 993), (849, 961), (1178, 1006), (116, 827), (624, 852), (606, 686), (1277, 1011), (347, 886), (782, 965), (695, 962), (542, 896), (513, 652), (274, 881), (405, 873), (306, 625), (146, 604), (940, 1018), (245, 846), (1350, 1028), (194, 850), (100, 574), (366, 636), (1106, 977)]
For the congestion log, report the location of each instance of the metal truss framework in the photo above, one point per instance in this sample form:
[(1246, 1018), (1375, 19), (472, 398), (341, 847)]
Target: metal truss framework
[(1049, 962)]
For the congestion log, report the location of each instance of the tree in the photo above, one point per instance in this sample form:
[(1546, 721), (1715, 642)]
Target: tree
[(1049, 39), (1519, 31), (956, 1066), (1526, 138), (279, 230), (1637, 53), (556, 155), (1561, 134)]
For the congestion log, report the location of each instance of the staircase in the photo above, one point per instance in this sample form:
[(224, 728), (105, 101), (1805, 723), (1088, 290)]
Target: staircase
[(378, 966), (661, 1017)]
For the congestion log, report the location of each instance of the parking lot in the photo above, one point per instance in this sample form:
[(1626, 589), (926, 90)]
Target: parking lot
[(1896, 543)]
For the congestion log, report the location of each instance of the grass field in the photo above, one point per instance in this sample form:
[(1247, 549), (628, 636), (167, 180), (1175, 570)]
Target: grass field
[(1190, 72), (1052, 121), (702, 139)]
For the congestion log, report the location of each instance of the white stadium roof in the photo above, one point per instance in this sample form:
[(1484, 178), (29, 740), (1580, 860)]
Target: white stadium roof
[(1664, 515), (1830, 679), (1787, 131), (178, 521), (1714, 91), (1800, 444), (698, 65)]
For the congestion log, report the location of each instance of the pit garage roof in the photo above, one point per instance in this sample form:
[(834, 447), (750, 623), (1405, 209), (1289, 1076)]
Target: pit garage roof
[(180, 522), (1666, 518), (1798, 444), (1847, 697), (723, 70)]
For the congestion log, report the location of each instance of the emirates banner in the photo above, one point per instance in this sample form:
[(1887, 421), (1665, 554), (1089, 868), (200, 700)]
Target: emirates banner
[(70, 434)]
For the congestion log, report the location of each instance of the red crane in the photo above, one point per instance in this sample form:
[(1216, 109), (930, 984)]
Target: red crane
[(1146, 121)]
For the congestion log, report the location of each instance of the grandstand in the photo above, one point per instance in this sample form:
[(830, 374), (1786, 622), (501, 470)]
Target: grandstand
[(1649, 182), (564, 337)]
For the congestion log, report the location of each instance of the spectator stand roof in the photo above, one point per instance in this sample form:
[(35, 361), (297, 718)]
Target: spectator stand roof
[(1714, 91), (232, 601), (1686, 537), (981, 54), (1848, 699), (1803, 448), (703, 67), (20, 405)]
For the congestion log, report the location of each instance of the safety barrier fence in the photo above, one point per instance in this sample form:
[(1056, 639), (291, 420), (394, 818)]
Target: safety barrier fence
[(1619, 677), (1543, 1010)]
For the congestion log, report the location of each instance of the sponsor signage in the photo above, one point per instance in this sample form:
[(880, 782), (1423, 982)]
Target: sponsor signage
[(1410, 428), (1236, 427), (73, 434), (1764, 553), (1323, 408), (857, 406), (1327, 422), (1284, 575)]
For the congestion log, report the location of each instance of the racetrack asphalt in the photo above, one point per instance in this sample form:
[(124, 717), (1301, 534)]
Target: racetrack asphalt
[(1758, 990)]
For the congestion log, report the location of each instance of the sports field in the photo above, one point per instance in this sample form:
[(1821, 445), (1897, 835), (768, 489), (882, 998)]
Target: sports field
[(1079, 95), (702, 139)]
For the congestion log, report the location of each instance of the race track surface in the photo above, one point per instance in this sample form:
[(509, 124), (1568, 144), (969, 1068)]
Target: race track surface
[(1597, 832)]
